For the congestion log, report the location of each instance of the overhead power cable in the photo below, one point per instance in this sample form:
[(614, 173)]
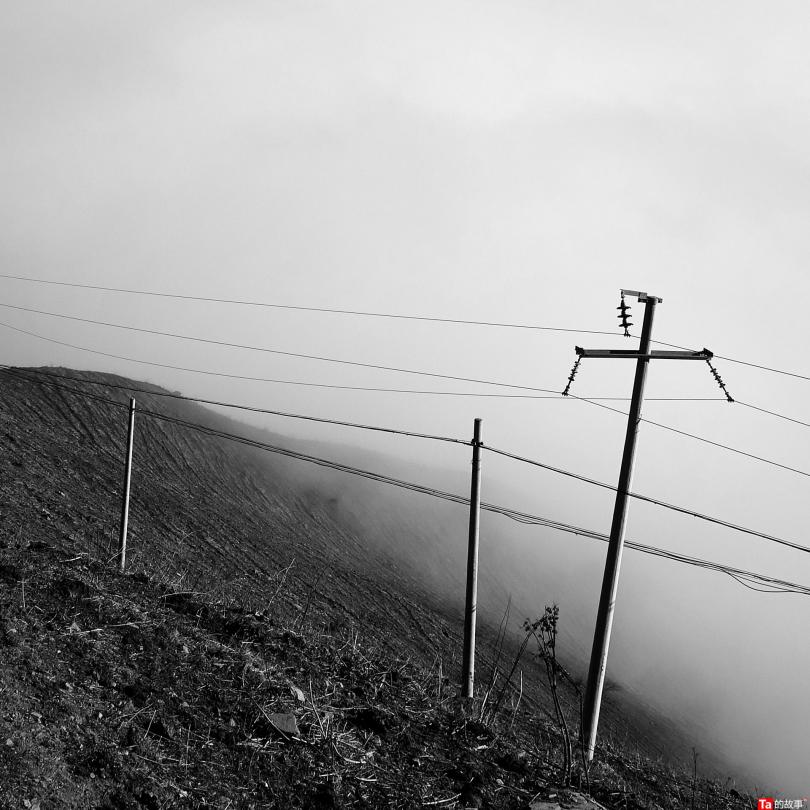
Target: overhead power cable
[(655, 501), (742, 362), (771, 584), (166, 394), (351, 363), (551, 395), (85, 394), (743, 577), (462, 321), (208, 341), (22, 374), (330, 310), (555, 395), (272, 379), (202, 401), (774, 413), (703, 439), (763, 368)]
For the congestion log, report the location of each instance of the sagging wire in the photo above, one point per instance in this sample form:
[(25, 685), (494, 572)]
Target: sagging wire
[(771, 584), (719, 380), (8, 370), (654, 501)]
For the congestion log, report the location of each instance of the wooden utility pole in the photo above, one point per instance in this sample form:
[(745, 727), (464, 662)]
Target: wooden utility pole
[(122, 540), (471, 605), (610, 581)]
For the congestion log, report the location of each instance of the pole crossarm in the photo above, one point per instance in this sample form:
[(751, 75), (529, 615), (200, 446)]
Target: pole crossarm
[(704, 354), (643, 297)]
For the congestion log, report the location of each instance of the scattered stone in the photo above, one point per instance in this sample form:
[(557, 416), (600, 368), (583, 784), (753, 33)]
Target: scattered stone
[(285, 723)]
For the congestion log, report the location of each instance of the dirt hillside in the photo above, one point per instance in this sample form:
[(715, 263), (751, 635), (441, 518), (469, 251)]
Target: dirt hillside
[(258, 652)]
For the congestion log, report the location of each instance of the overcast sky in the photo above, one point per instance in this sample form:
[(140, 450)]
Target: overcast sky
[(499, 161)]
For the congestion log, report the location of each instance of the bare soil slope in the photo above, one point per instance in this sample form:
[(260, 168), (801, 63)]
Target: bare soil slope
[(246, 601)]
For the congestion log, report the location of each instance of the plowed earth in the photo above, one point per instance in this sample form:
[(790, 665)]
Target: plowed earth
[(257, 653)]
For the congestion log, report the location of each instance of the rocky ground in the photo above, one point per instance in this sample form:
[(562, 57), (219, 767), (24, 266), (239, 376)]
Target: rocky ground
[(130, 691), (256, 653)]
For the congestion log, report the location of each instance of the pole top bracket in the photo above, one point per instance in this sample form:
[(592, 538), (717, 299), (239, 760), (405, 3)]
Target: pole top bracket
[(642, 296)]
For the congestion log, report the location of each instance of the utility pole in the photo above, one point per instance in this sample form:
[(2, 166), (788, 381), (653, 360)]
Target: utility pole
[(471, 605), (122, 540), (610, 581)]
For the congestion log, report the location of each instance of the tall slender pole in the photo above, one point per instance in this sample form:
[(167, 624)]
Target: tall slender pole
[(610, 581), (471, 606), (122, 540)]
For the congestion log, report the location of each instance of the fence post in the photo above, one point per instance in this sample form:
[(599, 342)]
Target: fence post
[(468, 674), (122, 540)]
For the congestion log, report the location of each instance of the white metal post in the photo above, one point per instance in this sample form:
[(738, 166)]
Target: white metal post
[(471, 605), (122, 540)]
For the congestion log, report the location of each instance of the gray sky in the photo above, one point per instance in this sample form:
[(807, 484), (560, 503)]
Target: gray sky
[(501, 161)]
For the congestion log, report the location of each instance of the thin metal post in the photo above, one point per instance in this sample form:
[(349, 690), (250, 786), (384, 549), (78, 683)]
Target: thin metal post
[(122, 540), (610, 581), (471, 606)]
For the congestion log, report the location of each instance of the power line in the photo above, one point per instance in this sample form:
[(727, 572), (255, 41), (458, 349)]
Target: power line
[(433, 319), (656, 502), (19, 373), (554, 395), (774, 585), (699, 438), (740, 575), (754, 365), (774, 413), (742, 362), (169, 395), (764, 368), (86, 394), (475, 394), (281, 382), (377, 428), (331, 310), (208, 341), (350, 363)]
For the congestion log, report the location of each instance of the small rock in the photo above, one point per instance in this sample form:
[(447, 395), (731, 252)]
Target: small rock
[(285, 723)]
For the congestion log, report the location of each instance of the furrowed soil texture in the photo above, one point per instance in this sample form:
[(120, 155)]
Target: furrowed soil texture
[(257, 653)]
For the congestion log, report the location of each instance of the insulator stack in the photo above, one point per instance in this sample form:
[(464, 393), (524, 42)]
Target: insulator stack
[(571, 376), (623, 316), (719, 381)]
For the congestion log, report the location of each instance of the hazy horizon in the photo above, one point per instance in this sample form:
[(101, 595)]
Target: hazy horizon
[(512, 162)]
